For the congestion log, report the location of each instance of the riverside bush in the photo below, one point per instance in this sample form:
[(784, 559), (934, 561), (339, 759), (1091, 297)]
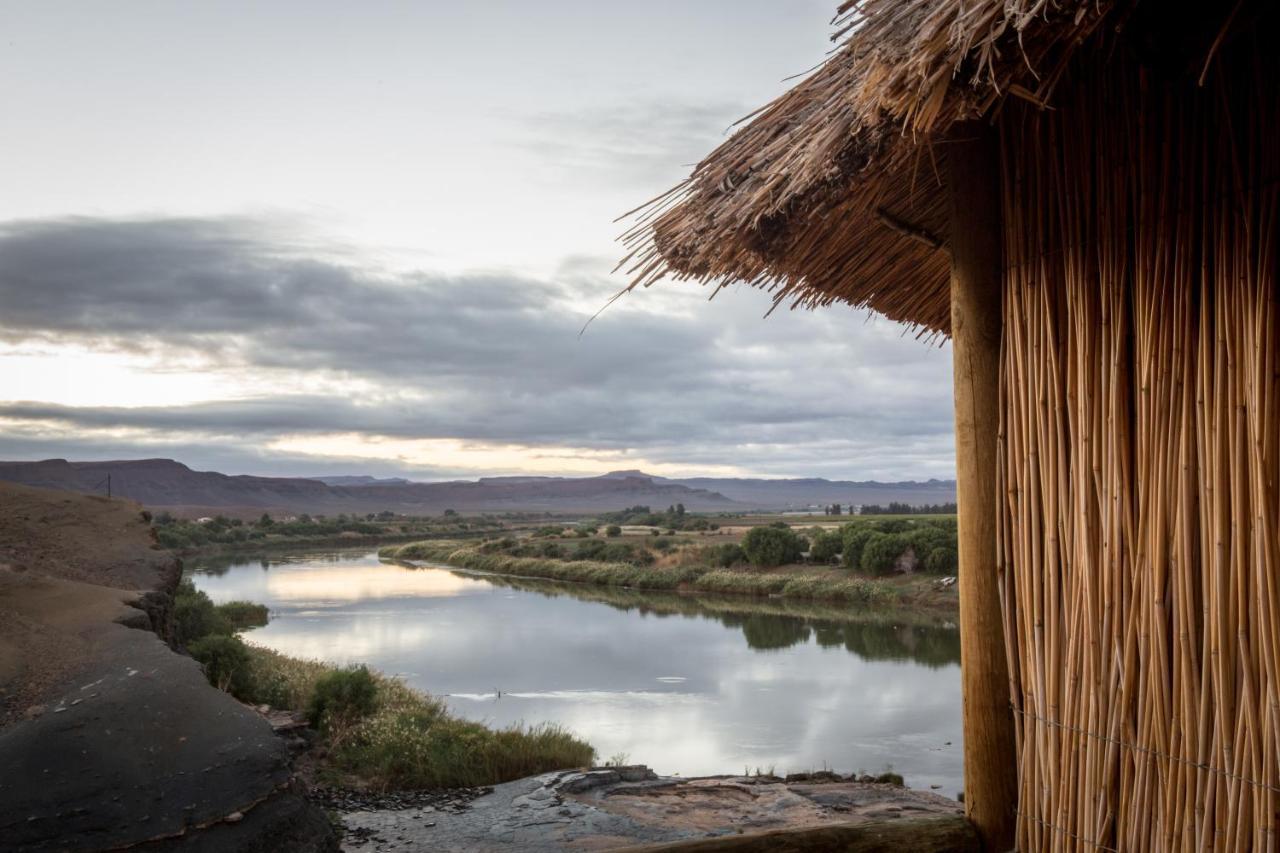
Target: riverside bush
[(225, 661), (195, 616), (942, 561), (852, 538), (826, 546), (342, 697), (881, 551), (243, 615), (767, 547)]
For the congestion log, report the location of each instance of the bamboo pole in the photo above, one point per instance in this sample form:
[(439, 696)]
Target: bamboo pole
[(990, 772)]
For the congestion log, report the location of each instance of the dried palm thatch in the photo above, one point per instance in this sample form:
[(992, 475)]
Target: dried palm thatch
[(831, 191)]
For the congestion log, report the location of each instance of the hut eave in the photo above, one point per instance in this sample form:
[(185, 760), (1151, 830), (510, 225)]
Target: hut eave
[(832, 192)]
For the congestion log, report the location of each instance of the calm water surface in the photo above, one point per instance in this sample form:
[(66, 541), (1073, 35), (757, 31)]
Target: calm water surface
[(689, 685)]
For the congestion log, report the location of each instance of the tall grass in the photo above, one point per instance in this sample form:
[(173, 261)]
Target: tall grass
[(581, 571), (701, 578), (851, 590), (410, 740)]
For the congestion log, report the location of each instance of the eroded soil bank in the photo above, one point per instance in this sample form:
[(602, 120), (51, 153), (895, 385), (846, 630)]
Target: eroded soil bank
[(110, 739)]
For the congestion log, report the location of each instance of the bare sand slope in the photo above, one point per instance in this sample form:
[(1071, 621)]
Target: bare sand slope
[(69, 564)]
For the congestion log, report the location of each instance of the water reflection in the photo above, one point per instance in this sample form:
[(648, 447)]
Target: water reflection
[(771, 623), (687, 684)]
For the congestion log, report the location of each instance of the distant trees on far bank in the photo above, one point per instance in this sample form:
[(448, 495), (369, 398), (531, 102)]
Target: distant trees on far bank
[(673, 518), (185, 534), (895, 508)]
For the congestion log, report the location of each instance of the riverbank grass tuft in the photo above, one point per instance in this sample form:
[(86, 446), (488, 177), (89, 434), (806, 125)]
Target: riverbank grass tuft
[(377, 732), (382, 734)]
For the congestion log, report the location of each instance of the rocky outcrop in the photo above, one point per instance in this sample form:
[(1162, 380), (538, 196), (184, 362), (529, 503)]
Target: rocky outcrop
[(114, 740), (616, 807)]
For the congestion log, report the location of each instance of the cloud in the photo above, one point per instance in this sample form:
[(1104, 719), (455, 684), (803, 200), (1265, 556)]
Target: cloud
[(483, 357), (633, 143)]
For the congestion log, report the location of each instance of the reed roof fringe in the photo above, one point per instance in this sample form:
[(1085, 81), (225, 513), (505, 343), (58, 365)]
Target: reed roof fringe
[(831, 192)]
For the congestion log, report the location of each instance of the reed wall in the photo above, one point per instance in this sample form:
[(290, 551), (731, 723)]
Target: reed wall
[(1140, 457)]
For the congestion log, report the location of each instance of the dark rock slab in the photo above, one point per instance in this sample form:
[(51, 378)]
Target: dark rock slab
[(141, 749)]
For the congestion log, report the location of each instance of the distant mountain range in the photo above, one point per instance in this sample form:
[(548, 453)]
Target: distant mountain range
[(814, 491), (166, 484)]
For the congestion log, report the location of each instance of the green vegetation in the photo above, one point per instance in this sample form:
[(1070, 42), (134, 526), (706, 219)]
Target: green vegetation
[(378, 733), (225, 660), (824, 546), (851, 590), (767, 561), (876, 546), (675, 518), (767, 547), (221, 531), (573, 550), (342, 698), (881, 552), (699, 578), (196, 616), (895, 508), (243, 615)]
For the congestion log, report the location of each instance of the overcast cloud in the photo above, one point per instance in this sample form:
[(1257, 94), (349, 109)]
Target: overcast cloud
[(485, 358), (372, 246)]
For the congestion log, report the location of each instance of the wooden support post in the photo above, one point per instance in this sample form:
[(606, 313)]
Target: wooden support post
[(990, 769)]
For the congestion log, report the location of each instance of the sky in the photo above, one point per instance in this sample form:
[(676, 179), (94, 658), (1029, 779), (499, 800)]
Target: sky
[(307, 238)]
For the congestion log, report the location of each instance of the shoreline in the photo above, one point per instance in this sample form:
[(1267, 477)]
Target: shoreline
[(372, 542), (915, 596)]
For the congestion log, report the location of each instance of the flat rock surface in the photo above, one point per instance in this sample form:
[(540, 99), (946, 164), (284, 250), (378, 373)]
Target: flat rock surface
[(604, 809)]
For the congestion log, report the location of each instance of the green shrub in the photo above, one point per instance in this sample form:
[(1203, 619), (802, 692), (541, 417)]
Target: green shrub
[(194, 616), (225, 661), (853, 538), (406, 739), (941, 561), (881, 551), (342, 698), (766, 547), (613, 530), (243, 615), (826, 546), (926, 537), (730, 554)]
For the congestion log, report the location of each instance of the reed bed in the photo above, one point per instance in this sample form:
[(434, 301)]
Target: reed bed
[(809, 586), (1140, 460)]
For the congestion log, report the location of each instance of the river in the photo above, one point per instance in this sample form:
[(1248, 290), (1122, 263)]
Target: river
[(688, 685)]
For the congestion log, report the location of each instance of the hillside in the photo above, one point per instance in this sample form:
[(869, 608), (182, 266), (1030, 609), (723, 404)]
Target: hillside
[(166, 484), (794, 494)]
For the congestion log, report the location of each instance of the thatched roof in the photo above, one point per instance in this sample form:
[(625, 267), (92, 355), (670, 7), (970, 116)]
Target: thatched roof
[(832, 192)]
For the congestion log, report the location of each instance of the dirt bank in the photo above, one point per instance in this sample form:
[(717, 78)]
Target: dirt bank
[(111, 739)]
